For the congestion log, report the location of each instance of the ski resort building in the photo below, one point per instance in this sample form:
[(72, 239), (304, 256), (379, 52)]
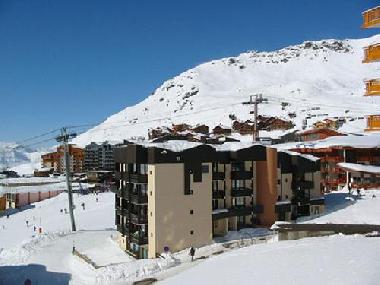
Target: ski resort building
[(55, 160), (169, 199), (98, 157), (371, 19), (334, 177), (318, 134)]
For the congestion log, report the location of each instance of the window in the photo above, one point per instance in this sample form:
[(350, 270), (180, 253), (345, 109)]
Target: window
[(191, 232), (191, 212), (205, 168), (278, 181)]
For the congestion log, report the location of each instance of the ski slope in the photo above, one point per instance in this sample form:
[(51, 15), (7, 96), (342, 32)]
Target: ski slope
[(46, 258), (315, 79)]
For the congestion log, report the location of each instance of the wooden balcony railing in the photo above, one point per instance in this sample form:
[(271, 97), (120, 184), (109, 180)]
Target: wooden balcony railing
[(373, 123), (372, 53), (371, 18), (372, 87)]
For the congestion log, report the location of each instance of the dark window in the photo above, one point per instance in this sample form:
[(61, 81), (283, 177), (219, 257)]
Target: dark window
[(191, 232), (191, 212), (278, 181), (286, 180), (205, 168)]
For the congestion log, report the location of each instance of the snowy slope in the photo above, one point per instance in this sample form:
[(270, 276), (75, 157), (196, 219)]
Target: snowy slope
[(328, 74), (339, 259), (23, 160)]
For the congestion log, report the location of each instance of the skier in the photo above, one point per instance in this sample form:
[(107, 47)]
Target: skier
[(27, 223), (83, 206), (192, 253)]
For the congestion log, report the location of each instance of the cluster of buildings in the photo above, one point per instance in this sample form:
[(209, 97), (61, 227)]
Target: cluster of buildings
[(94, 157), (170, 199)]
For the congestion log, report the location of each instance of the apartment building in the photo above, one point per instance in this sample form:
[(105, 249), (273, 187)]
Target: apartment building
[(334, 177), (56, 160), (298, 186), (99, 157), (170, 199)]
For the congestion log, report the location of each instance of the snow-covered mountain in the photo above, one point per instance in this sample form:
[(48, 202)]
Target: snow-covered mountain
[(315, 80), (15, 157)]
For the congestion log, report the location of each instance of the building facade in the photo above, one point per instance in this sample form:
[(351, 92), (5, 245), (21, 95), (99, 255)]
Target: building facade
[(371, 19), (334, 177), (99, 157), (172, 200), (56, 160)]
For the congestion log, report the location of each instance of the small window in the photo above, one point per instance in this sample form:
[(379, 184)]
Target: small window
[(150, 172), (151, 193), (191, 212), (278, 181), (151, 214), (205, 168), (191, 232), (286, 180)]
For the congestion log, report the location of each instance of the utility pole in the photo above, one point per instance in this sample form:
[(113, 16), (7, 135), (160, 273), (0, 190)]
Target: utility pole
[(64, 139), (258, 99)]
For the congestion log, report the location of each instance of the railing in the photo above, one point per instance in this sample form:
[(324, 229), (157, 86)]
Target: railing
[(371, 18), (372, 53), (218, 194), (138, 219), (241, 175), (138, 198), (139, 239), (241, 191), (372, 87), (373, 123), (218, 176), (305, 184)]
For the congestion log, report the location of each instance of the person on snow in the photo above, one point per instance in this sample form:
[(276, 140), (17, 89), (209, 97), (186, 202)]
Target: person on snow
[(192, 253)]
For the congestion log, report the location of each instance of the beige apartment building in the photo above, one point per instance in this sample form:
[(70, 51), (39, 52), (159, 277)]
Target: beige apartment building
[(171, 200)]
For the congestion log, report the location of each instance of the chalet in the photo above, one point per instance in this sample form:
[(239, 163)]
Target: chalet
[(221, 130), (201, 129), (326, 124), (318, 134)]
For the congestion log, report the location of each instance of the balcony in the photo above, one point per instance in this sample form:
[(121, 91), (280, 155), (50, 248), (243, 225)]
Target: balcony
[(138, 198), (218, 176), (371, 18), (241, 192), (123, 229), (304, 184), (241, 210), (218, 194), (373, 123), (138, 238), (138, 219), (121, 211), (241, 175), (372, 53), (138, 178), (372, 87), (118, 175)]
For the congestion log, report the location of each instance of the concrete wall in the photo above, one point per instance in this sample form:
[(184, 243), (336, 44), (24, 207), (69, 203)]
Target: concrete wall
[(266, 173), (169, 220)]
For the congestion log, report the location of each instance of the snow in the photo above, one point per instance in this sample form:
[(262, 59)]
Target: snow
[(345, 208), (360, 167), (262, 259), (329, 260), (305, 77), (368, 140)]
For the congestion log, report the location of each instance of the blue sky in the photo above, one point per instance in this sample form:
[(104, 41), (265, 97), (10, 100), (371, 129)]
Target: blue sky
[(74, 62)]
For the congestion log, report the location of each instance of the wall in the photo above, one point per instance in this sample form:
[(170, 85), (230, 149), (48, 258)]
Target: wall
[(266, 173), (169, 219)]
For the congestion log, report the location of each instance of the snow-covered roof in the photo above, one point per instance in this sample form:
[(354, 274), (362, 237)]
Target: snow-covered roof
[(307, 156), (364, 141), (360, 167)]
